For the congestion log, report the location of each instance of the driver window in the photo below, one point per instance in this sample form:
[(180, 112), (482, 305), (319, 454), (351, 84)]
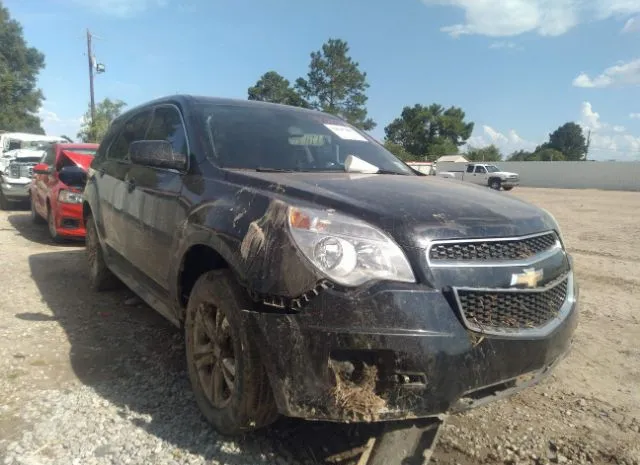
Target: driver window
[(133, 130), (167, 125)]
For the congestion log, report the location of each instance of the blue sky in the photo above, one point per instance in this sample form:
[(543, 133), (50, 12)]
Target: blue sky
[(518, 68)]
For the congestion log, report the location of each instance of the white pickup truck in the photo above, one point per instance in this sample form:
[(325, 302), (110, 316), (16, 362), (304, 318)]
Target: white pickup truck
[(479, 173)]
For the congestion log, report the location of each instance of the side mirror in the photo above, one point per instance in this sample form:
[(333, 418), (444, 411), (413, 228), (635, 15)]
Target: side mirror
[(42, 168), (73, 176), (156, 153)]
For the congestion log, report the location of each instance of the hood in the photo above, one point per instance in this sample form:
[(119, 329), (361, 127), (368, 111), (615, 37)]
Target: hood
[(82, 160), (23, 153), (507, 173), (412, 209)]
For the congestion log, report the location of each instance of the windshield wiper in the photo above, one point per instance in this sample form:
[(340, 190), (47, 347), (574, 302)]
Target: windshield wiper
[(392, 172)]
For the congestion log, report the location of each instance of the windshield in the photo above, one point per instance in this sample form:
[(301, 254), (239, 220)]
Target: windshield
[(492, 169), (29, 144), (257, 137)]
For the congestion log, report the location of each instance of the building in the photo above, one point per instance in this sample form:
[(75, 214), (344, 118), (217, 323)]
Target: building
[(452, 158)]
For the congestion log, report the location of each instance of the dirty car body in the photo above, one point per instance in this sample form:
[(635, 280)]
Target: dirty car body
[(375, 295)]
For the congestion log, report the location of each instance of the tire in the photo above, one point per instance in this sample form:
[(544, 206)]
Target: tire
[(508, 188), (219, 352), (495, 184), (51, 224), (35, 216), (100, 276), (4, 203)]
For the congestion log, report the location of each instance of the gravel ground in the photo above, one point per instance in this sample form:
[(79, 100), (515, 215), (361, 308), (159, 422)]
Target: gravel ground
[(99, 379)]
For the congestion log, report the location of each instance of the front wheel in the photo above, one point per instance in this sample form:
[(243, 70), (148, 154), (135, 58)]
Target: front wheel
[(51, 222), (35, 216), (100, 277), (230, 383), (4, 203), (495, 184)]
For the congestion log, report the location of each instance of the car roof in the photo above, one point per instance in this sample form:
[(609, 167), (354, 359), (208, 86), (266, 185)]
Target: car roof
[(79, 145), (188, 100)]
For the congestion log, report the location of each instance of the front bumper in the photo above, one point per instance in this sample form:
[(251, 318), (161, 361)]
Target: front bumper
[(69, 221), (15, 192), (427, 362), (510, 182)]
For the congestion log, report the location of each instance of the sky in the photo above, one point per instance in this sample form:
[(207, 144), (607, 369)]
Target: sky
[(518, 68)]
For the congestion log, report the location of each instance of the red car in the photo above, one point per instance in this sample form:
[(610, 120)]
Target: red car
[(57, 186)]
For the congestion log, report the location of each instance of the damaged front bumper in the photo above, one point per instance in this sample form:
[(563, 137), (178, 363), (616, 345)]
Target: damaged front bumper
[(396, 352), (69, 221)]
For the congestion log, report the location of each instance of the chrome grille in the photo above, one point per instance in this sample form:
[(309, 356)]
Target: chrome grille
[(14, 170), (496, 310), (26, 171), (21, 170), (500, 249)]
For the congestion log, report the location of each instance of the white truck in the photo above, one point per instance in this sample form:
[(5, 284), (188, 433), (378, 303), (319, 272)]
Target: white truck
[(479, 173), (19, 153)]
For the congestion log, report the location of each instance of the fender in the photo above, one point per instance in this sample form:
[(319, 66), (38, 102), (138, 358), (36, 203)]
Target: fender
[(92, 203), (248, 229)]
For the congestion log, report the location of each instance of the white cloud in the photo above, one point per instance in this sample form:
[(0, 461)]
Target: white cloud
[(634, 115), (507, 143), (503, 18), (48, 116), (54, 125), (589, 119), (121, 8), (622, 74), (632, 25), (608, 141)]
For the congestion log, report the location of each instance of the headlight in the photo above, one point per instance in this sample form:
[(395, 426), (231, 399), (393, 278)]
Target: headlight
[(69, 197), (349, 251)]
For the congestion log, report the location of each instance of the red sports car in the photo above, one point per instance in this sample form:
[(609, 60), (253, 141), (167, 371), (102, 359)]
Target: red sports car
[(57, 186)]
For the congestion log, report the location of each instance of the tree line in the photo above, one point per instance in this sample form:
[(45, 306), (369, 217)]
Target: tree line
[(333, 83)]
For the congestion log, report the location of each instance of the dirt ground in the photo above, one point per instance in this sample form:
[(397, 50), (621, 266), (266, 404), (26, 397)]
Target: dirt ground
[(107, 372)]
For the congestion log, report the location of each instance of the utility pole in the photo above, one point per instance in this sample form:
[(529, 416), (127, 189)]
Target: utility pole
[(93, 100), (586, 155)]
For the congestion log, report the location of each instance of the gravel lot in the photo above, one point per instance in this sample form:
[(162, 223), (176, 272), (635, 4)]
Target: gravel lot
[(99, 379)]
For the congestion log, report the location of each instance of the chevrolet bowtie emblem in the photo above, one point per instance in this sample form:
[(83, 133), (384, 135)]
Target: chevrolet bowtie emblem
[(529, 277)]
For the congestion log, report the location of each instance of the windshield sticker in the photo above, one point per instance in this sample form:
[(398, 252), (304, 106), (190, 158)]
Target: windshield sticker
[(345, 132), (310, 139)]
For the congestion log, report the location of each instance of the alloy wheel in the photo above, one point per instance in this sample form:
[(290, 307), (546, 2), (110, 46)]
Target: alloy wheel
[(91, 247), (52, 225), (214, 355)]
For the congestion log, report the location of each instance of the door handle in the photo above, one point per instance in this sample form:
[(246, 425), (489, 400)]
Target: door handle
[(131, 185)]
